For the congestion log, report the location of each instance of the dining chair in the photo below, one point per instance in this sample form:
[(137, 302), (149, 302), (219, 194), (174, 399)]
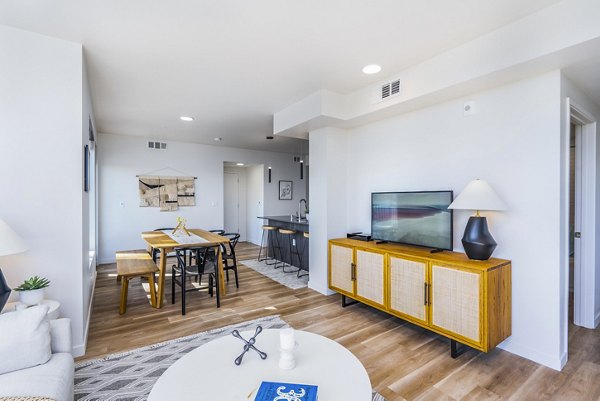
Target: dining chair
[(228, 255), (218, 232), (204, 264)]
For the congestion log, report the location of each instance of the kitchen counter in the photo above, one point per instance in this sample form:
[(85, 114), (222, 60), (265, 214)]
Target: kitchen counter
[(284, 248)]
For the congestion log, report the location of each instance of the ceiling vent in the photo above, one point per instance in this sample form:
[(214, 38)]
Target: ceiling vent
[(157, 145), (387, 90)]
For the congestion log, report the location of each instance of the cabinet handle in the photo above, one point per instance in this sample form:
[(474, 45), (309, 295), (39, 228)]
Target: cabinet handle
[(352, 271), (425, 294)]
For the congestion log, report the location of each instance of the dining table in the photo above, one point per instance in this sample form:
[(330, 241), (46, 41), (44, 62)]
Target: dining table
[(166, 241)]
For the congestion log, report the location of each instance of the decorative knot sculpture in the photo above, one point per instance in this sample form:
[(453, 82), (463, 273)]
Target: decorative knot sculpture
[(248, 344)]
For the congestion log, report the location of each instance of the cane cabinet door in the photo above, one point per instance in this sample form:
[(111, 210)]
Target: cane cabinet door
[(370, 277), (456, 301), (408, 288), (341, 269)]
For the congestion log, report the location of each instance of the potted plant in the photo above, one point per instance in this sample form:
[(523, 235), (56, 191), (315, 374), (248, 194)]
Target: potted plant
[(31, 292)]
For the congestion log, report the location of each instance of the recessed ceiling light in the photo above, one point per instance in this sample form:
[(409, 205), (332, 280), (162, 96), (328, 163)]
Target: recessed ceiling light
[(186, 118), (239, 164), (371, 69), (218, 139), (270, 137)]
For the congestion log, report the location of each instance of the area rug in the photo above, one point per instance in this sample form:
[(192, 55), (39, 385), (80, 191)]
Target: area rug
[(290, 280), (129, 376)]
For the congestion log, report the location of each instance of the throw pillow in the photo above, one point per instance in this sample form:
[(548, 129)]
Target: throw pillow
[(24, 339)]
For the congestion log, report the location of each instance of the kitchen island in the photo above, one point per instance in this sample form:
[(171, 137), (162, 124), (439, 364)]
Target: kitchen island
[(289, 223)]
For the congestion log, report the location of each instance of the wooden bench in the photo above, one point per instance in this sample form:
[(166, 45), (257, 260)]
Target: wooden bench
[(132, 264)]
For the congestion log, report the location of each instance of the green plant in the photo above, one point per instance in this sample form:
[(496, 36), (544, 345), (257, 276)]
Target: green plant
[(33, 283)]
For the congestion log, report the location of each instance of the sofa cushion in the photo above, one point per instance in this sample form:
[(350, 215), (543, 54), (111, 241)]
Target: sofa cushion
[(24, 339), (53, 379)]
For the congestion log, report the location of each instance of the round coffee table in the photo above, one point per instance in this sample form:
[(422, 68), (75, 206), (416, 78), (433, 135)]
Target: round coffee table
[(208, 372)]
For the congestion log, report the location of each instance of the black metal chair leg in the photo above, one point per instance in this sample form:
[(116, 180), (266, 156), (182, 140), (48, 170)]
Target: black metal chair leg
[(183, 290), (173, 278), (237, 284)]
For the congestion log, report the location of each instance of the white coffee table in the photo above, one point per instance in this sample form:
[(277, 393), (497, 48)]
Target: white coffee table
[(209, 374)]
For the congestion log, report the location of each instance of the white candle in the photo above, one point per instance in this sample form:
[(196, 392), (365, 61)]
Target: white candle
[(286, 339)]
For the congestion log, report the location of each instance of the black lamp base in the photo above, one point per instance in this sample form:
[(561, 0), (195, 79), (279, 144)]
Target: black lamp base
[(4, 291), (477, 240)]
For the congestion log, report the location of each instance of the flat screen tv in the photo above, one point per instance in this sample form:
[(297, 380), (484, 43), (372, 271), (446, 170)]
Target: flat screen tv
[(415, 218)]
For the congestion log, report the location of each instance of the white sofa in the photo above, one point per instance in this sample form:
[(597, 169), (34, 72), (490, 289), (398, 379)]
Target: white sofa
[(54, 379)]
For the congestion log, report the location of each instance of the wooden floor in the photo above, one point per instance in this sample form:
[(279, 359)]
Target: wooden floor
[(404, 362)]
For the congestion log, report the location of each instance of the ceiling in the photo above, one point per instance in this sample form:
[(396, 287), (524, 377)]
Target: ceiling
[(231, 64)]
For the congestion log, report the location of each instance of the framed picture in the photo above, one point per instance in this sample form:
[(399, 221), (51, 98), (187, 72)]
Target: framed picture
[(285, 190), (86, 168)]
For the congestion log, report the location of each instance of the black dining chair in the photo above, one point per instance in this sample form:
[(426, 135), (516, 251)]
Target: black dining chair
[(218, 232), (228, 256), (204, 264)]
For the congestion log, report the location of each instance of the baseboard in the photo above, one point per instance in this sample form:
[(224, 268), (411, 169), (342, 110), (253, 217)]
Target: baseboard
[(556, 363), (318, 288), (79, 350), (106, 261), (89, 315)]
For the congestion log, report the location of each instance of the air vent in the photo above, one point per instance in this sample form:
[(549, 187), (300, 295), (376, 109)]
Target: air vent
[(157, 145), (387, 91)]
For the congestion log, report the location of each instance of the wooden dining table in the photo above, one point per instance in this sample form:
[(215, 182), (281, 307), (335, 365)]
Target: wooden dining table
[(165, 244)]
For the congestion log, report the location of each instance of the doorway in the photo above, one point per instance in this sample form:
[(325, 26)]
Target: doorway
[(231, 202), (582, 216)]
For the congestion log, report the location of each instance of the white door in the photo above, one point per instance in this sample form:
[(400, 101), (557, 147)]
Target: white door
[(231, 203)]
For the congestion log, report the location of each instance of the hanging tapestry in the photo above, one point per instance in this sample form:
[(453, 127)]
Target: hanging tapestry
[(168, 193)]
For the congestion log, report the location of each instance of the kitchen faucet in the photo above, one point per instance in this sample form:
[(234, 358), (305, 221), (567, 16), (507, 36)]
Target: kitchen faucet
[(300, 208)]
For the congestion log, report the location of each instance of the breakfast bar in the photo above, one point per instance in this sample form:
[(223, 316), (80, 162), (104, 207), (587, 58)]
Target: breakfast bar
[(290, 223)]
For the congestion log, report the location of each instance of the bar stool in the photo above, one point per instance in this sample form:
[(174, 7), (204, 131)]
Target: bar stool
[(293, 248), (306, 235), (274, 245)]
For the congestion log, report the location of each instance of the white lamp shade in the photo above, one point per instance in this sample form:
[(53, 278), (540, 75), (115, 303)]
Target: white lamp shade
[(478, 195), (10, 241)]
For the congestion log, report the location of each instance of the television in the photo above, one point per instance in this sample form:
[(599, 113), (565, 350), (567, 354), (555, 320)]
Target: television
[(415, 218)]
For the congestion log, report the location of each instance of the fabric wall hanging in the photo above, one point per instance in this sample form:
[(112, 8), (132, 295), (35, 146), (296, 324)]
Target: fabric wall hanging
[(167, 193)]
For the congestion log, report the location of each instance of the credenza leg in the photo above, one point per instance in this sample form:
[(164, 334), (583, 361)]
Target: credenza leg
[(457, 349), (346, 303)]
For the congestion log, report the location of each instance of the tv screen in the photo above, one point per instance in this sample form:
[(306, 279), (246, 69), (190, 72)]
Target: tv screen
[(414, 218)]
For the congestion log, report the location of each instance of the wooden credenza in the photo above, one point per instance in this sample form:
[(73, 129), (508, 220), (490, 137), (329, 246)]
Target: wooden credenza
[(465, 300)]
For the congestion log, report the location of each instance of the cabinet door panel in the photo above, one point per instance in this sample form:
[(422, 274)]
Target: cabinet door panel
[(456, 301), (370, 276), (341, 268), (407, 287)]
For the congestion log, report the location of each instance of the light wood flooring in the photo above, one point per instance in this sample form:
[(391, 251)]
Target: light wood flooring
[(404, 362)]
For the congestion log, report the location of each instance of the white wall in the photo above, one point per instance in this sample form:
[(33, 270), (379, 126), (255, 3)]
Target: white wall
[(121, 158), (591, 279), (255, 183), (513, 142), (329, 194), (41, 107)]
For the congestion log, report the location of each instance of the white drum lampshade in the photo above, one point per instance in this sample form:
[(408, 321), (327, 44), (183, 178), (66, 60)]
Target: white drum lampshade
[(477, 239), (10, 243)]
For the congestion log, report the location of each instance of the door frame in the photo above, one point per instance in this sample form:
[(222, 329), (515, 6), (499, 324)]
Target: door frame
[(585, 216)]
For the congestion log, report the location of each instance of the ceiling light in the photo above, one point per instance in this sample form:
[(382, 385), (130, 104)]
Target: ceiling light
[(218, 139), (270, 137), (371, 69), (239, 164), (186, 118)]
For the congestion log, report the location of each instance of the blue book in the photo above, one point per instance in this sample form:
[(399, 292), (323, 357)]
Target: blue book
[(273, 391)]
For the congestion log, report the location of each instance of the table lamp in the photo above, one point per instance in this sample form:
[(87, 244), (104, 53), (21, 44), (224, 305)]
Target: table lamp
[(477, 240), (10, 243)]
